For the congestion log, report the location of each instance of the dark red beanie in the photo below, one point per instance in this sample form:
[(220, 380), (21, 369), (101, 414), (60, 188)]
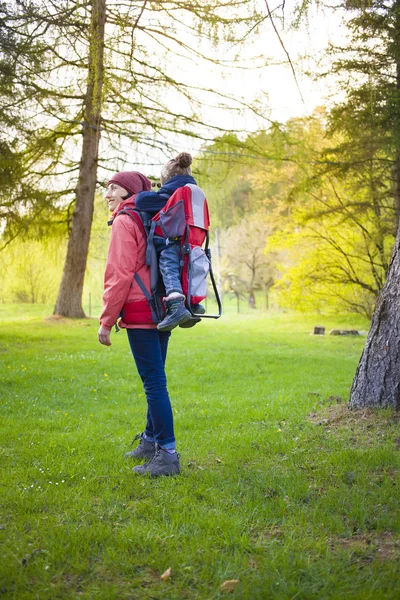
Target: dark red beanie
[(132, 181)]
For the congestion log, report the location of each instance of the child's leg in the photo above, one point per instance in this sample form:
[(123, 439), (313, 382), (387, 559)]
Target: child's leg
[(170, 268)]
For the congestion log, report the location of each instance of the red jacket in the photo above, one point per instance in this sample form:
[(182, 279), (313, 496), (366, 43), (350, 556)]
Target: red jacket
[(126, 256)]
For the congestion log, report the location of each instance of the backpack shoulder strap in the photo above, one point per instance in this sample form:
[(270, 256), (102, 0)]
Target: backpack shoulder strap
[(137, 217), (147, 227)]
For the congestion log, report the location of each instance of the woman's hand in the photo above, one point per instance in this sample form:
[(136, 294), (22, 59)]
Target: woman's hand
[(104, 336)]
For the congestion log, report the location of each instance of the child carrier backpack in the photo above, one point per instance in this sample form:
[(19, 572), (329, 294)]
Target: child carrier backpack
[(185, 217)]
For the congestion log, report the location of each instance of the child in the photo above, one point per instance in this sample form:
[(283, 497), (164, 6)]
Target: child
[(175, 174)]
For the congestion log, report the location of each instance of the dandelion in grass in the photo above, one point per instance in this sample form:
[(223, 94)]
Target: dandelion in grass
[(279, 430)]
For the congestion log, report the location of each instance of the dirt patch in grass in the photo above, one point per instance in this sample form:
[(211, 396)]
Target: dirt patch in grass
[(355, 426), (340, 414), (264, 534), (383, 546), (57, 319)]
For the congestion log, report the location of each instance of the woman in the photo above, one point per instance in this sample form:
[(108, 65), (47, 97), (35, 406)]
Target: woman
[(127, 257)]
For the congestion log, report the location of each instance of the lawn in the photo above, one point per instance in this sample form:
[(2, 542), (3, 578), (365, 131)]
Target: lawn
[(283, 490)]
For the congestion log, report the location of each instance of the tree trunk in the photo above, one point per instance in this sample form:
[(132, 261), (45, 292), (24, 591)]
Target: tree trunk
[(69, 300), (397, 158), (377, 379), (252, 299)]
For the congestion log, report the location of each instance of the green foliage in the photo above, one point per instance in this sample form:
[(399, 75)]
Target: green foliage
[(338, 236), (30, 271), (31, 267), (285, 501)]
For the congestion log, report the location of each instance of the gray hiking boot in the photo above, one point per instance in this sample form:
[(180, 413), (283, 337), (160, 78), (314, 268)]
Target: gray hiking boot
[(162, 463), (199, 310), (145, 449), (176, 315)]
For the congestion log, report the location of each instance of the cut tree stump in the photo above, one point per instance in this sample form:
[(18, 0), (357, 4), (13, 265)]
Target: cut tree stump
[(319, 330)]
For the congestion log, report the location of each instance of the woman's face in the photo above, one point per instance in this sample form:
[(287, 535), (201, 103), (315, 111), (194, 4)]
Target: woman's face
[(115, 195)]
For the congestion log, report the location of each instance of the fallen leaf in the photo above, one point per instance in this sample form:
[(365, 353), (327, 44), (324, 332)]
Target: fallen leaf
[(166, 574), (229, 585)]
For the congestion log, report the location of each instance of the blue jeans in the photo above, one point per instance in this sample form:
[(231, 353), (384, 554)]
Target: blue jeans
[(149, 348), (168, 261)]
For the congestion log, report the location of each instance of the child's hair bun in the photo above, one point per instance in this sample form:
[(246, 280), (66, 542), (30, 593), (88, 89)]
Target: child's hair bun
[(184, 160), (180, 165)]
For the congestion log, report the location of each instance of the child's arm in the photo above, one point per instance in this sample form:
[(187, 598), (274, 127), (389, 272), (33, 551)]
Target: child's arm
[(150, 202)]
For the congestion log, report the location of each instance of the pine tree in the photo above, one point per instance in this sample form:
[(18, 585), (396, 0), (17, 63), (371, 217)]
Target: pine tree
[(375, 58)]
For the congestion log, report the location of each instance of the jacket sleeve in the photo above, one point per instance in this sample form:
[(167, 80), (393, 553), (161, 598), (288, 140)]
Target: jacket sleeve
[(151, 202), (120, 269)]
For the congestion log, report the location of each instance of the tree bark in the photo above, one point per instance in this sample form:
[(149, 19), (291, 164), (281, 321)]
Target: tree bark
[(396, 169), (69, 300), (377, 380)]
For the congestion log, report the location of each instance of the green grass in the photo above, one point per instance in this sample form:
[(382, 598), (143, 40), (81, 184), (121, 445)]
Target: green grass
[(281, 487)]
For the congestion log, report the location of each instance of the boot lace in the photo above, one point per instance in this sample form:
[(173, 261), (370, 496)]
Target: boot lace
[(137, 437)]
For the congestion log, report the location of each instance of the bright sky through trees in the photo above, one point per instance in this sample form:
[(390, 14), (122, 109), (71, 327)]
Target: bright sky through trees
[(307, 48), (259, 70)]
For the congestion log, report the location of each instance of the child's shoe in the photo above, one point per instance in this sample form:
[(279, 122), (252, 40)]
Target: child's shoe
[(198, 309), (176, 314)]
